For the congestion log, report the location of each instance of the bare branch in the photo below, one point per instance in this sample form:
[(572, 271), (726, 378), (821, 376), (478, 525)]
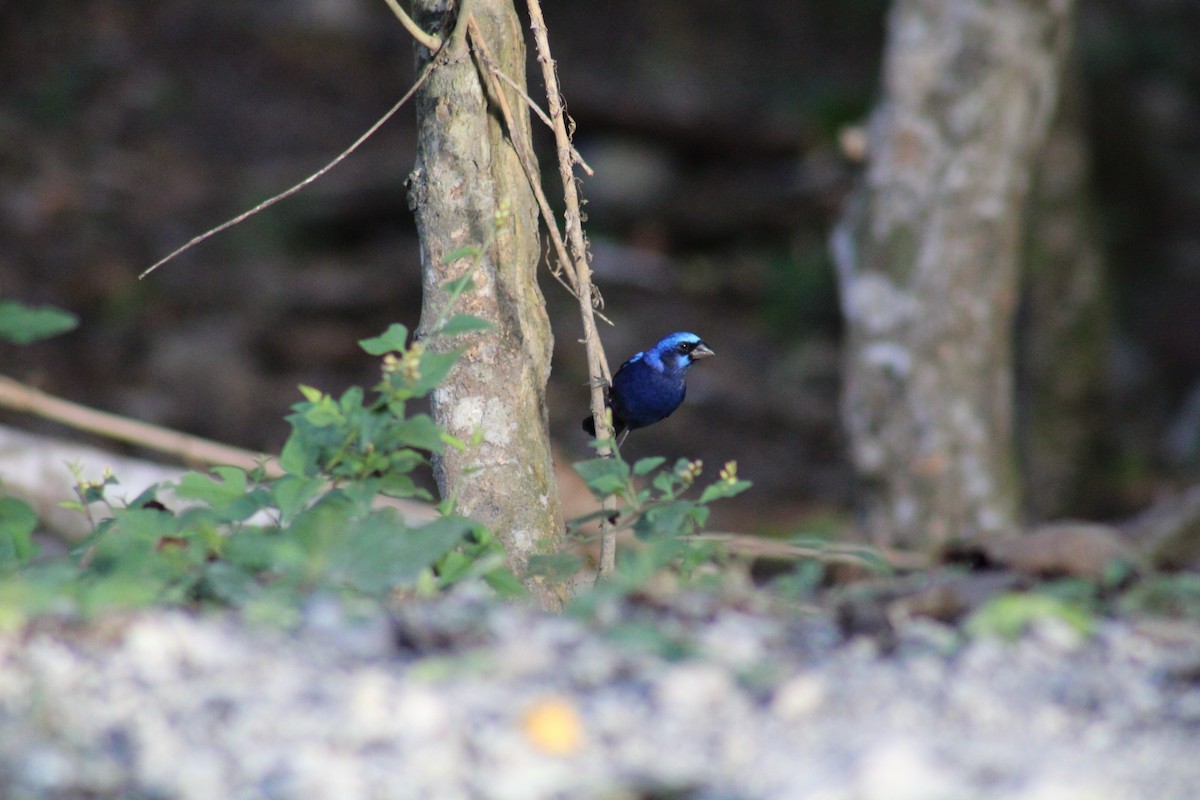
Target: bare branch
[(521, 147), (430, 41), (597, 362), (288, 193), (575, 156), (188, 449)]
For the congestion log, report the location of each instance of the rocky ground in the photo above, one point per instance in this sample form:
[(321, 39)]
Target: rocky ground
[(701, 698)]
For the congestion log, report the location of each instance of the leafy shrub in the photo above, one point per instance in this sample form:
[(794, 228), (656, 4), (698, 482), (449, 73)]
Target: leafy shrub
[(238, 538), (650, 500), (230, 537)]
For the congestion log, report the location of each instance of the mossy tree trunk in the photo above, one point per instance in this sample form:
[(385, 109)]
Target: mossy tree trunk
[(468, 190), (927, 255)]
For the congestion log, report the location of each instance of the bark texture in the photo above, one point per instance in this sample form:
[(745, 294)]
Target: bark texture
[(468, 190), (927, 254), (1065, 326)]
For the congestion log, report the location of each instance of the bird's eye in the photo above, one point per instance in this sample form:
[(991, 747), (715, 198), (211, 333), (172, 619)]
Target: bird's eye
[(684, 347)]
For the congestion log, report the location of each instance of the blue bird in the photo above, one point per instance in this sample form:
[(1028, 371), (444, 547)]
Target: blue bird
[(649, 386)]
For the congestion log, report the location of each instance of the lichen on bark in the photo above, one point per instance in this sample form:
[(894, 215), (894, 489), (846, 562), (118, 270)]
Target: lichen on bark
[(927, 255)]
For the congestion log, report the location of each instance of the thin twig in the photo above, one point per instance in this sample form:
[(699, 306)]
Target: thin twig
[(526, 157), (288, 193), (430, 41), (597, 363), (575, 156), (521, 145)]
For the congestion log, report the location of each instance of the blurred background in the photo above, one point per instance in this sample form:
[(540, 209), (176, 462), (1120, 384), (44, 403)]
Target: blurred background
[(716, 132)]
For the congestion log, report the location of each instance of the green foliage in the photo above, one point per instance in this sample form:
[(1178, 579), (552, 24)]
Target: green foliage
[(22, 324), (229, 537), (17, 523), (659, 510), (1172, 595), (1010, 615), (651, 501)]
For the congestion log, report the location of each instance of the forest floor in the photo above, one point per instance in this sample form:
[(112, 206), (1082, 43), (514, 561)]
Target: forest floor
[(686, 696)]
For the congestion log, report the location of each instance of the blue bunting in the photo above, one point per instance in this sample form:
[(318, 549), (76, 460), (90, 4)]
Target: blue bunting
[(649, 386)]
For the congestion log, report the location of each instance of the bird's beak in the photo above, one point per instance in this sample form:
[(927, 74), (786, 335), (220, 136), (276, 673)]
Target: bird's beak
[(702, 351)]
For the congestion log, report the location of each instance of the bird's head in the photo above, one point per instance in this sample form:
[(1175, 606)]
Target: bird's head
[(679, 350)]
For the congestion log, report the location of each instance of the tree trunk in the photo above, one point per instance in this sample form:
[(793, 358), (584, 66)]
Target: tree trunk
[(1064, 336), (468, 190), (927, 255)]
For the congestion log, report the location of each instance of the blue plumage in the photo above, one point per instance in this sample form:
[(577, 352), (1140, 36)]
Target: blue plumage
[(649, 386)]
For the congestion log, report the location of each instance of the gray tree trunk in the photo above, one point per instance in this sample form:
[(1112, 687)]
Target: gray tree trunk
[(468, 190), (1065, 332), (927, 255)]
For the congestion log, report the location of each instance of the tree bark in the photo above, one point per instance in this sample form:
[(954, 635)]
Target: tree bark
[(1064, 337), (468, 190), (927, 255)]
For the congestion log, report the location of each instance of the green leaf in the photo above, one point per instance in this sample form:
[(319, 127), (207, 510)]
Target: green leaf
[(17, 523), (675, 518), (323, 413), (379, 552), (226, 499), (256, 550), (723, 489), (420, 431), (230, 485), (460, 284), (22, 324), (394, 339), (400, 485), (453, 567), (146, 525), (296, 458), (1010, 615), (464, 323), (351, 402), (505, 584), (644, 466), (666, 482), (311, 394), (454, 441), (434, 369), (292, 493), (230, 584), (604, 476), (148, 495)]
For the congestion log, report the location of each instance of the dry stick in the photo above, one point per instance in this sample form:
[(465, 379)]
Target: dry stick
[(521, 146), (597, 363), (430, 41), (575, 156), (526, 157), (189, 449), (288, 193)]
